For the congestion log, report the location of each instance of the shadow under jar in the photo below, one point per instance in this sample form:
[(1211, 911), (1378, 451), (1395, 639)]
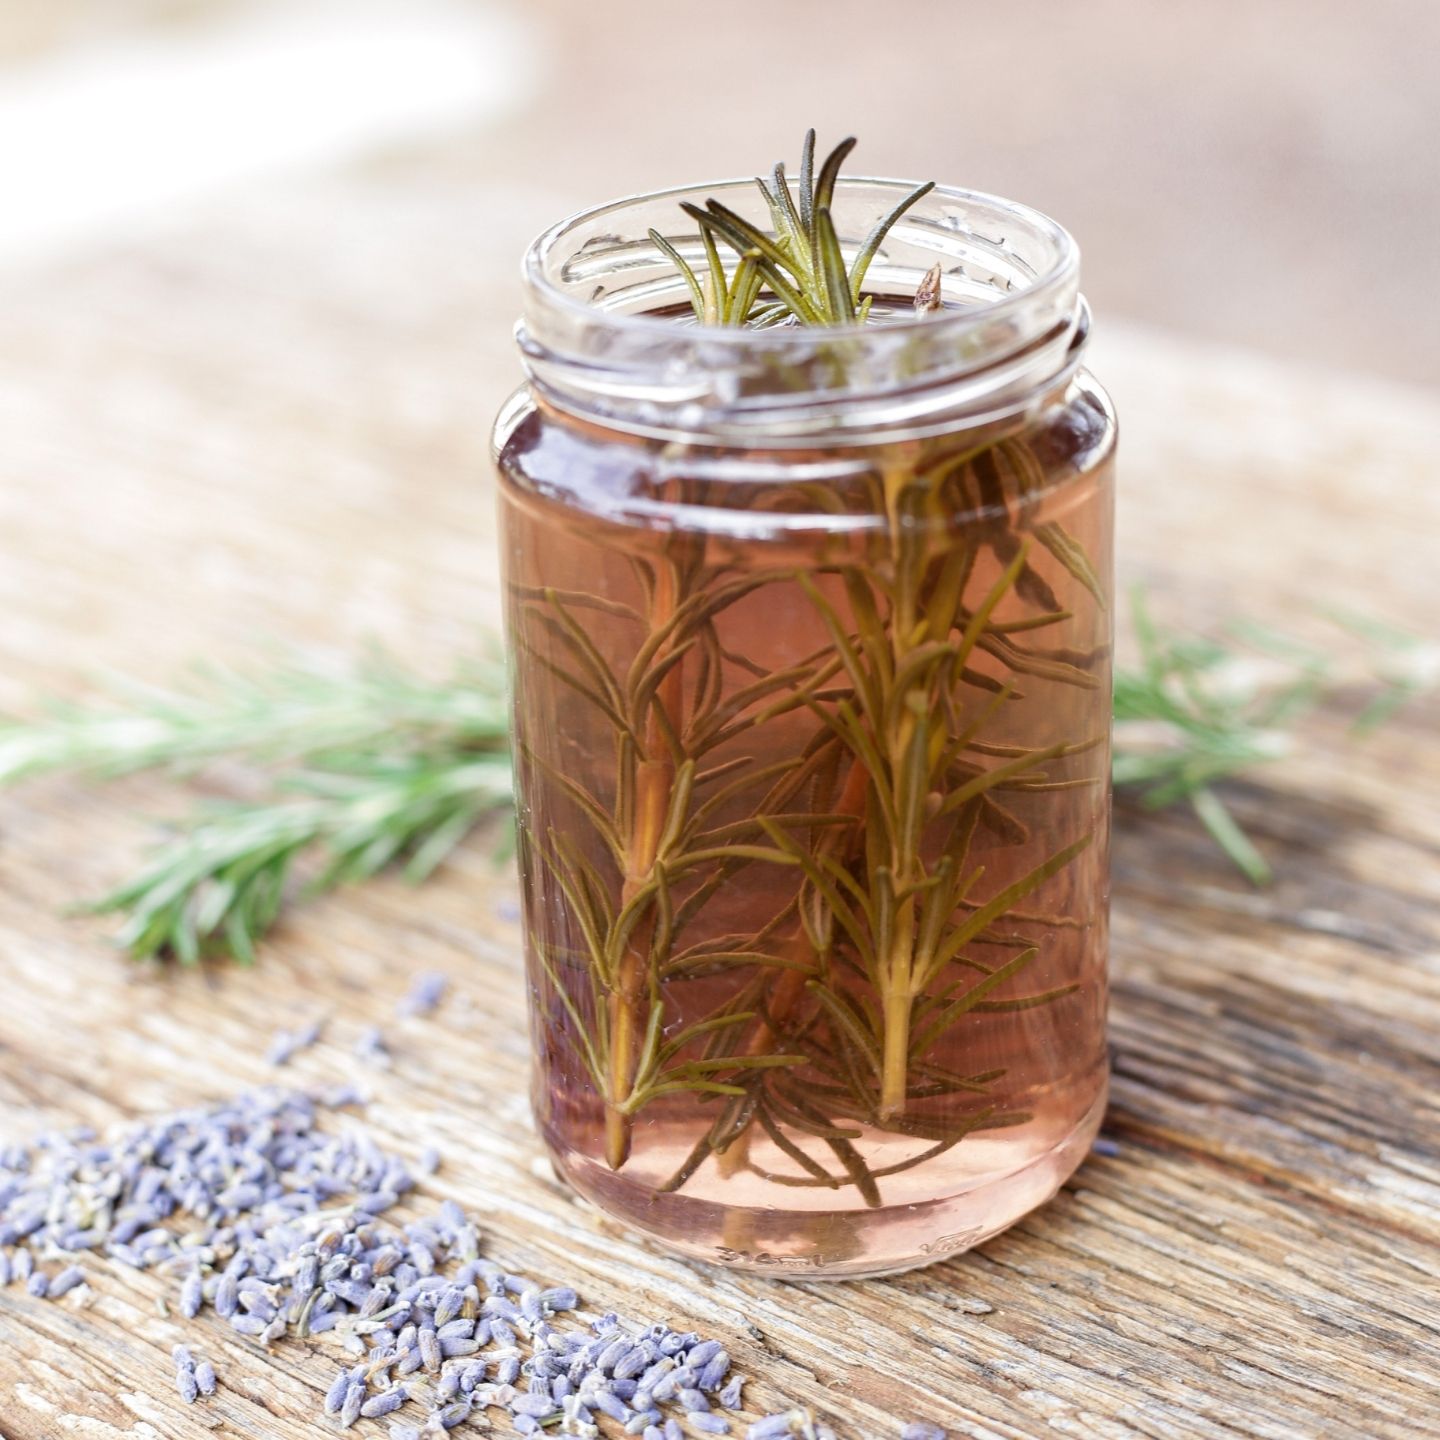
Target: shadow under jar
[(810, 634)]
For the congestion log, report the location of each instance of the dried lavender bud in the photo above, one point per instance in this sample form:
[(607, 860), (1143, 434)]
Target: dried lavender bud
[(426, 992), (404, 1432), (642, 1420), (227, 1296), (66, 1281), (708, 1422), (429, 1161), (38, 1285), (730, 1396), (186, 1385), (922, 1430), (773, 1427), (453, 1414), (205, 1377), (693, 1399), (371, 1047), (350, 1407), (608, 1404), (714, 1371), (632, 1363), (378, 1405)]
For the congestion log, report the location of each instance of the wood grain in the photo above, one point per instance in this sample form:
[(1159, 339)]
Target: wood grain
[(243, 431)]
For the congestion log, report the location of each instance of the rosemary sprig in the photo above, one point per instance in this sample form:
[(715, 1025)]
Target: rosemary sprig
[(289, 714), (222, 879), (367, 766), (798, 270)]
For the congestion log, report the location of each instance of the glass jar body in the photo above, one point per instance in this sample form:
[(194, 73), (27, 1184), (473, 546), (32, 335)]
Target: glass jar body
[(812, 752)]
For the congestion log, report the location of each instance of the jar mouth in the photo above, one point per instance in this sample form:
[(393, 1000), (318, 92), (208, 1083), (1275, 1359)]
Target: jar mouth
[(604, 332)]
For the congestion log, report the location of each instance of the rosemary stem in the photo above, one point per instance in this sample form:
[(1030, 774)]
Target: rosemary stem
[(654, 780), (896, 1004)]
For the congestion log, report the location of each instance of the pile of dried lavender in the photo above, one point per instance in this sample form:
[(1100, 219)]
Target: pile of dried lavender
[(246, 1202)]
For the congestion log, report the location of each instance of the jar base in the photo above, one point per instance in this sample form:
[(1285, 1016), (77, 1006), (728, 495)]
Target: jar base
[(855, 1244)]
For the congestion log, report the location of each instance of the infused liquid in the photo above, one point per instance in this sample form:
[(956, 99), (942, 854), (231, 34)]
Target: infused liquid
[(813, 768)]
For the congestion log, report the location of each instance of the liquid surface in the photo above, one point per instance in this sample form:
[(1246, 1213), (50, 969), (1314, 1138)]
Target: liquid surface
[(813, 762)]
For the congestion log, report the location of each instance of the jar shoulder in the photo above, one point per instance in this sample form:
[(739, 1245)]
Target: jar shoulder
[(552, 457)]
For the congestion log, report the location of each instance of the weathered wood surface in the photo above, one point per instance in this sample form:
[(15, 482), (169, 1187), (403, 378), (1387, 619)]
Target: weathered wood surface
[(245, 430)]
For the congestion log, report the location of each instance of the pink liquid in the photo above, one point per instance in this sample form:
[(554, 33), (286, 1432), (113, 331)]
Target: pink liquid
[(909, 1060)]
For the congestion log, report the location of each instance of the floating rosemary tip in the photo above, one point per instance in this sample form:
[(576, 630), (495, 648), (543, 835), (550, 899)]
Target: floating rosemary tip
[(796, 272)]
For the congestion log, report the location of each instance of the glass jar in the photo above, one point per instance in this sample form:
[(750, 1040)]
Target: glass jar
[(810, 637)]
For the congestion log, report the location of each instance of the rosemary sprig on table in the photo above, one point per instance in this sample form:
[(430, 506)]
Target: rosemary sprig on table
[(367, 767), (797, 273), (378, 764)]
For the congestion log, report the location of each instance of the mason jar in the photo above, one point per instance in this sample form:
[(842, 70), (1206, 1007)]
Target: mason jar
[(810, 637)]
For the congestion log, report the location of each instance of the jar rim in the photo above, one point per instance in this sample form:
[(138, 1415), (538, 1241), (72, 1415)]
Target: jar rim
[(533, 267), (1014, 323)]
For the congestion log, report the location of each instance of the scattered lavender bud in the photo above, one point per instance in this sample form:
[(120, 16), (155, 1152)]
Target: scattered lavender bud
[(713, 1372), (708, 1422), (187, 1385), (66, 1281), (922, 1430), (38, 1285), (378, 1405), (205, 1377), (371, 1047), (773, 1427), (429, 1161), (425, 994), (354, 1399), (227, 1296), (608, 1404), (730, 1397)]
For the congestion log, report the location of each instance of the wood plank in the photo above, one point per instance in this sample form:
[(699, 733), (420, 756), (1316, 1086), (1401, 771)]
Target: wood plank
[(237, 433)]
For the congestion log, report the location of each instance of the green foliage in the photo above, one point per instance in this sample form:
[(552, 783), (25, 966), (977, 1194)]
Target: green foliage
[(1194, 710)]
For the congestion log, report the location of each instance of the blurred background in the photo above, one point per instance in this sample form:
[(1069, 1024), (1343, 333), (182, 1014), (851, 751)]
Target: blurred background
[(1257, 173), (258, 273)]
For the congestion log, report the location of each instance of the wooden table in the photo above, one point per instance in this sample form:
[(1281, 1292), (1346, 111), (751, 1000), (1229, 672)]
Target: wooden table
[(269, 421)]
